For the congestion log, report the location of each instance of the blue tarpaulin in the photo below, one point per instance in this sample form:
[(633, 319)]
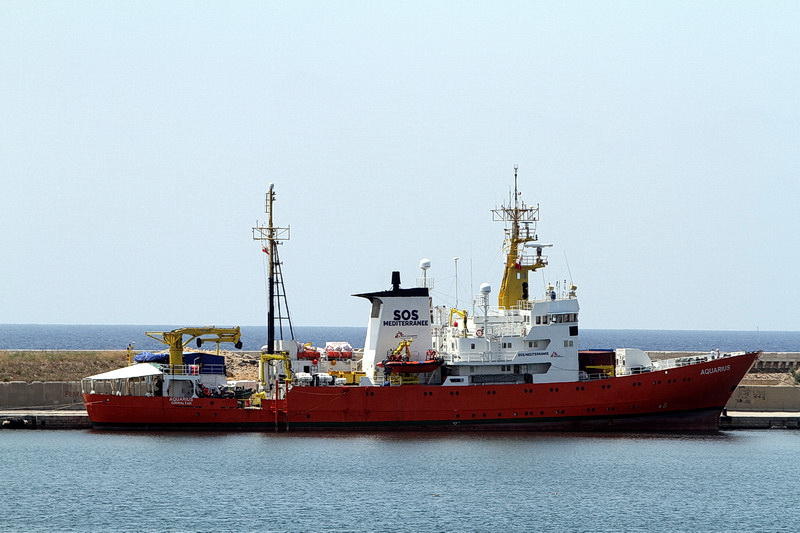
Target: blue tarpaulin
[(209, 363), (203, 359), (149, 357)]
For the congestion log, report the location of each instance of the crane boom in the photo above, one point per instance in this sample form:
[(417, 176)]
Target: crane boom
[(174, 339)]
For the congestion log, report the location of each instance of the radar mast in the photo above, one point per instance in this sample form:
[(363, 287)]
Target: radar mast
[(520, 230), (277, 305)]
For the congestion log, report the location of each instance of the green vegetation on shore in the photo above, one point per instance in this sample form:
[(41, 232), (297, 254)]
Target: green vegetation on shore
[(57, 365)]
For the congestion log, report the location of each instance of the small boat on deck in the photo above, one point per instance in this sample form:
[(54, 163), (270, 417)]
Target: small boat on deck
[(401, 361), (411, 367)]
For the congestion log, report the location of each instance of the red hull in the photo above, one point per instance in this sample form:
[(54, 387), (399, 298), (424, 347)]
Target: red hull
[(688, 398)]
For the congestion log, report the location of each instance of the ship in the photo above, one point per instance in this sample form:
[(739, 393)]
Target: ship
[(514, 364)]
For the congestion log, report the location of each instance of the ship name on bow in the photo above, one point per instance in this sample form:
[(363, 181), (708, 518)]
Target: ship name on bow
[(714, 370), (179, 400)]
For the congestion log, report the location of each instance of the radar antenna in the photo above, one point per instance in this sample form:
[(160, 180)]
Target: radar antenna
[(520, 233)]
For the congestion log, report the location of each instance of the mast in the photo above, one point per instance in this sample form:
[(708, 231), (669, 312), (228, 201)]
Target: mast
[(520, 230), (277, 305)]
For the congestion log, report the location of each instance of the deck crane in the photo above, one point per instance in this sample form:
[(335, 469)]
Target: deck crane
[(174, 339)]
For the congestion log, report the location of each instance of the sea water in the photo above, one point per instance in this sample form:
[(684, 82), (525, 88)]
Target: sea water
[(82, 480), (90, 481), (117, 337)]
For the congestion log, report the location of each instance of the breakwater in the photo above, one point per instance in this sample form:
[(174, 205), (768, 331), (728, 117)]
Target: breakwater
[(41, 395)]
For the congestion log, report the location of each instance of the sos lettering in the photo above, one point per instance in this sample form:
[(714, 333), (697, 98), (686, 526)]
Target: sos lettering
[(406, 314)]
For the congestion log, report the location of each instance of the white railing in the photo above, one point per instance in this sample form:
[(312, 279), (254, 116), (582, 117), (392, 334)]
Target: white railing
[(482, 357), (624, 371), (679, 361), (592, 377), (191, 370)]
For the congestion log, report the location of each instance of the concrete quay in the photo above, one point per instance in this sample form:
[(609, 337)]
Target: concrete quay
[(28, 419), (43, 419), (759, 420)]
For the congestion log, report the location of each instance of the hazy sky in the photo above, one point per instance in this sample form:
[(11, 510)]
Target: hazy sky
[(137, 141)]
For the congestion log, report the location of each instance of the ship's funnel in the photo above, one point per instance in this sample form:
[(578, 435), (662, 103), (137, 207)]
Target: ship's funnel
[(397, 316)]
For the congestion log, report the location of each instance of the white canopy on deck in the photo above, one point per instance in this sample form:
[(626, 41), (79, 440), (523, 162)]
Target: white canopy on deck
[(134, 371)]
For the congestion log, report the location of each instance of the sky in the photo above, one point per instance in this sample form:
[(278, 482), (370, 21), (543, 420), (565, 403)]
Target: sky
[(138, 139)]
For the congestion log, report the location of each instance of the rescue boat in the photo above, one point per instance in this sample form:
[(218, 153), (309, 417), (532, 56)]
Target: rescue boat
[(513, 365)]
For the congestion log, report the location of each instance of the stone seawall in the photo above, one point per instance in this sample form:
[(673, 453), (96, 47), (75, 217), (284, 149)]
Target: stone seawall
[(49, 395), (764, 398)]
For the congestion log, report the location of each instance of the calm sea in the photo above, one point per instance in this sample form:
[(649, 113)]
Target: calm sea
[(84, 481), (105, 337), (411, 482)]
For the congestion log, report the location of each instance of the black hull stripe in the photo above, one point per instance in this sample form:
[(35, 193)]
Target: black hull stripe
[(694, 419)]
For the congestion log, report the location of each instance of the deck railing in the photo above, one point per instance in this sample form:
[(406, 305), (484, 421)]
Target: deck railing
[(192, 370)]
